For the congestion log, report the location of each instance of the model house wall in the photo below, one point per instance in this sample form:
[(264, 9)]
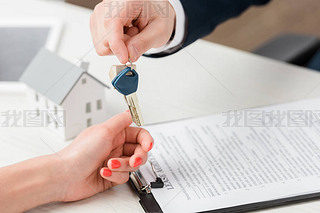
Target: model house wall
[(65, 97), (49, 114), (85, 105)]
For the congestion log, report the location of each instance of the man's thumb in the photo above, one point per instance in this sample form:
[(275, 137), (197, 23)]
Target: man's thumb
[(152, 36)]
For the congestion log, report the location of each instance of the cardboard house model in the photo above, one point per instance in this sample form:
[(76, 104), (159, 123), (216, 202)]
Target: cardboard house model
[(66, 97)]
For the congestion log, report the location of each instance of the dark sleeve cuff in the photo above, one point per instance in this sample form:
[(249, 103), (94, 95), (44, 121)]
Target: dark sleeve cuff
[(203, 16)]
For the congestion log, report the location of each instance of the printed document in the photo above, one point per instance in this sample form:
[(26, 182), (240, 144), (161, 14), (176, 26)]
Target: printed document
[(237, 157)]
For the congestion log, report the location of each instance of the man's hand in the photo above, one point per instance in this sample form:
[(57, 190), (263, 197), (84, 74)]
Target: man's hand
[(129, 28)]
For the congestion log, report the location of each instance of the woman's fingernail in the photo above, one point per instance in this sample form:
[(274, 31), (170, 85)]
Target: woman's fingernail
[(137, 162), (107, 172), (127, 110), (150, 147), (115, 164)]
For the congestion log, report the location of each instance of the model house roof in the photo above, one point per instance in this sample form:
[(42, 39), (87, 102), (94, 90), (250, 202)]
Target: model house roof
[(52, 76)]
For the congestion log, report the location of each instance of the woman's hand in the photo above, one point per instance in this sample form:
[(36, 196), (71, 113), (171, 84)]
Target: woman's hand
[(99, 158), (129, 28), (102, 156)]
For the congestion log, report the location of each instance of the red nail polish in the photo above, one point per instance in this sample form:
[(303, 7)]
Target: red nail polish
[(137, 162), (127, 110), (150, 147), (115, 164), (107, 172)]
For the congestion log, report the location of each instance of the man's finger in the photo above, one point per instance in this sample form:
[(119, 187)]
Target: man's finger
[(149, 37), (132, 31), (97, 31), (116, 40)]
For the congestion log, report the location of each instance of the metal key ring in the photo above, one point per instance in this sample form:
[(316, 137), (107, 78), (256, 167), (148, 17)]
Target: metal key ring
[(130, 63)]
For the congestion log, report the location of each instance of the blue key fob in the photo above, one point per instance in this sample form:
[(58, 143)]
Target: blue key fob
[(126, 83)]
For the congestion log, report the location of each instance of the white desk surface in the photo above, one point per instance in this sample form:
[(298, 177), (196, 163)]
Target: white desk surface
[(180, 86)]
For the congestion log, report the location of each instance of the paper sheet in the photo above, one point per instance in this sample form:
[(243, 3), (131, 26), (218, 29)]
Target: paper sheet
[(237, 157)]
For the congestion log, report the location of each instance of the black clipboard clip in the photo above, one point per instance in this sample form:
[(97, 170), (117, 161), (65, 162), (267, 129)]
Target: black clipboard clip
[(143, 189)]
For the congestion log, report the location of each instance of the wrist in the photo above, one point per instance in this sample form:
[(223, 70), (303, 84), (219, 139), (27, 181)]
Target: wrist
[(177, 16), (30, 183), (56, 176), (52, 176)]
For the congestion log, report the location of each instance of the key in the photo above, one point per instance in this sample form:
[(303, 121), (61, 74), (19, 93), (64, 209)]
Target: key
[(125, 80)]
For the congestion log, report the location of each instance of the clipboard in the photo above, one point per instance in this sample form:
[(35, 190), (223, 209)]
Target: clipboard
[(150, 204), (144, 192)]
